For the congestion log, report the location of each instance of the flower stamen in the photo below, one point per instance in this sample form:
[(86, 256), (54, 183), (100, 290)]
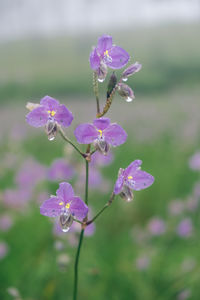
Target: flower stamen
[(101, 132), (67, 205), (52, 112)]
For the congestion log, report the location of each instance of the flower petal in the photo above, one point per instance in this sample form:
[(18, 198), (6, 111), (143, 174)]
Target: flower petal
[(49, 103), (104, 43), (132, 69), (37, 117), (78, 208), (85, 133), (119, 57), (65, 192), (63, 116), (51, 207), (101, 123), (119, 185), (94, 60), (115, 135), (142, 180), (132, 168)]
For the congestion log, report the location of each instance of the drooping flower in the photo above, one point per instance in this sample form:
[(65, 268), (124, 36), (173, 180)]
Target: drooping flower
[(107, 55), (49, 113), (101, 133), (65, 206), (60, 170), (132, 178)]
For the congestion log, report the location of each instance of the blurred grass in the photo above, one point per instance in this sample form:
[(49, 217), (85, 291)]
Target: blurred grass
[(60, 67)]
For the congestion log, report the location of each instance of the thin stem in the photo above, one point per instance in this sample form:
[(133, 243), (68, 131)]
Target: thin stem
[(70, 142), (81, 235), (102, 210), (86, 181), (96, 90), (76, 265)]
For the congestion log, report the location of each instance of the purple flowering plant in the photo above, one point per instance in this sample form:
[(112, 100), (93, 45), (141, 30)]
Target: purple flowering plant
[(98, 137)]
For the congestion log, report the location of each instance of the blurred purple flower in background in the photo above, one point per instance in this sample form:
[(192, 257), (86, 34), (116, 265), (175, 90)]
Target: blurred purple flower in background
[(65, 205), (156, 226), (176, 207), (16, 198), (184, 294), (107, 55), (30, 174), (3, 249), (192, 203), (185, 228), (142, 263), (101, 160), (6, 222), (60, 170), (101, 133), (49, 113), (132, 178), (194, 162)]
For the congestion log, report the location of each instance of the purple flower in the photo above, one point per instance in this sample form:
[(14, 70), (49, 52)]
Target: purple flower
[(5, 222), (176, 207), (194, 162), (107, 55), (132, 178), (65, 205), (101, 133), (30, 174), (49, 113), (132, 69), (3, 249), (142, 262), (156, 226), (60, 170), (185, 228)]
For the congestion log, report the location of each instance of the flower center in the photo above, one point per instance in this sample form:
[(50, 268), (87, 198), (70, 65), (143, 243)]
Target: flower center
[(100, 133), (66, 206), (107, 57), (52, 113)]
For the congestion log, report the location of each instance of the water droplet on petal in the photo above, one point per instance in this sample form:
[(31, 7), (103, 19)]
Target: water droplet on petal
[(125, 79), (101, 79), (66, 221), (51, 130), (129, 99), (126, 194), (51, 138)]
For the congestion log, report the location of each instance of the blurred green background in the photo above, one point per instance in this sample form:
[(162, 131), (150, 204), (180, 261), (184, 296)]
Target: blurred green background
[(124, 259)]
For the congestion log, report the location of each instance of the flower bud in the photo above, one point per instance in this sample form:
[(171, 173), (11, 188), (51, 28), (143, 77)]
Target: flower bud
[(102, 72), (126, 92), (51, 129), (126, 194), (111, 84), (66, 221), (134, 68), (30, 106)]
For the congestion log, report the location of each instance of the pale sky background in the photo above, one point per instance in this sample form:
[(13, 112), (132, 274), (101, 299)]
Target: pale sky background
[(27, 18)]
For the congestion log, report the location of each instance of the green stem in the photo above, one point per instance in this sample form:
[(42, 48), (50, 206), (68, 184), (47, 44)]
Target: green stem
[(81, 235), (96, 90), (102, 210), (76, 265), (70, 142)]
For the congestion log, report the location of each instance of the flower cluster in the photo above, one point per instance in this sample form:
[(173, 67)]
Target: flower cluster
[(99, 136)]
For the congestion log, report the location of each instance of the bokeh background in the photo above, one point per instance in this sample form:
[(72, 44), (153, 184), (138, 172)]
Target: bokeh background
[(146, 249)]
